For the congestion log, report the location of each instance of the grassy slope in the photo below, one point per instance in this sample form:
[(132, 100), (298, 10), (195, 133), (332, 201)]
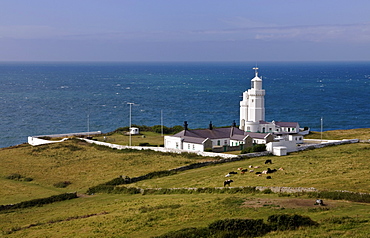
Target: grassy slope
[(340, 167), (78, 162), (362, 134), (343, 167)]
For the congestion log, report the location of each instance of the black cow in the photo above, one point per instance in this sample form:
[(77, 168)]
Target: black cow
[(268, 161), (268, 177), (270, 171), (227, 182), (233, 172)]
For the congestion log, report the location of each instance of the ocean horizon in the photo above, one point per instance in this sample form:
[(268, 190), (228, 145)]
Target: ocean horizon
[(41, 98)]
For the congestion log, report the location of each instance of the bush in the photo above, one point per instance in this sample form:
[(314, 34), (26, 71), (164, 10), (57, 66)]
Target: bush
[(18, 177), (240, 227), (63, 184), (254, 148), (284, 222), (191, 232)]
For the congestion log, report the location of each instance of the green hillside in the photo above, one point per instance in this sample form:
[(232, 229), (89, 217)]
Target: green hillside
[(80, 166)]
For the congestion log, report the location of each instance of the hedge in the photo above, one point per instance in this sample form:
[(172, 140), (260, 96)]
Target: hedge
[(40, 201)]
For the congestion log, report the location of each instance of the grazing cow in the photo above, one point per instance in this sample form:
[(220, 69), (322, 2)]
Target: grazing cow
[(270, 171), (227, 182), (250, 166), (259, 175), (227, 175), (268, 161), (281, 169), (319, 202), (244, 170), (256, 167), (268, 177), (232, 172), (258, 172), (264, 172), (240, 168), (251, 171)]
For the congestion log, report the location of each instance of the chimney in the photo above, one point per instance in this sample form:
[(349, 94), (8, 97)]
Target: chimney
[(185, 125), (210, 125), (234, 124)]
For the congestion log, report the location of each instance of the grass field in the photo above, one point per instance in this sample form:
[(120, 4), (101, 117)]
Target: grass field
[(343, 167)]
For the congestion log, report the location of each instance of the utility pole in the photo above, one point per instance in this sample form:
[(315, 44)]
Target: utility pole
[(162, 123), (321, 128), (129, 129)]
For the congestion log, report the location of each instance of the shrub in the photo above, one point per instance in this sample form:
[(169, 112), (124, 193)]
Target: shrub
[(254, 148), (267, 191), (284, 222), (18, 177), (191, 232), (14, 177), (241, 227), (63, 184)]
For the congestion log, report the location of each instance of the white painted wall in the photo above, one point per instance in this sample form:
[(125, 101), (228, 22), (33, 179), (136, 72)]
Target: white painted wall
[(172, 142), (37, 141), (193, 147), (290, 145)]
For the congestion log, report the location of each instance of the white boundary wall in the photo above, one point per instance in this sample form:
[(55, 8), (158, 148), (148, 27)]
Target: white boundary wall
[(36, 140)]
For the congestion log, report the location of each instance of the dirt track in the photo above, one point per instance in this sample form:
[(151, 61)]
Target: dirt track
[(279, 203)]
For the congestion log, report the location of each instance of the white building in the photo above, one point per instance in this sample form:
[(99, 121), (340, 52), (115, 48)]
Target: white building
[(252, 112), (253, 129)]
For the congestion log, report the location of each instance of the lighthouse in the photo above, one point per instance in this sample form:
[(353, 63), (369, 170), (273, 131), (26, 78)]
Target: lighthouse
[(252, 107)]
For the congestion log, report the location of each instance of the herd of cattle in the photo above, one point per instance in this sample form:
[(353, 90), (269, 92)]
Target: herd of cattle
[(250, 169)]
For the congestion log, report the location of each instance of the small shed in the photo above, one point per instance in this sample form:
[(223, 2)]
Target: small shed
[(134, 131), (280, 151)]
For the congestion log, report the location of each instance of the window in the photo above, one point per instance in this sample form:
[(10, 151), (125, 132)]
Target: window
[(193, 147), (189, 146), (177, 145), (225, 142), (218, 142)]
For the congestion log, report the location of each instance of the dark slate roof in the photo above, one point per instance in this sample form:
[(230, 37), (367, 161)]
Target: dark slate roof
[(193, 140), (286, 124), (199, 135)]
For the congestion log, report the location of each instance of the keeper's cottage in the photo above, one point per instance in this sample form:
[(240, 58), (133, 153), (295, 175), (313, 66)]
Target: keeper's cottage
[(279, 137)]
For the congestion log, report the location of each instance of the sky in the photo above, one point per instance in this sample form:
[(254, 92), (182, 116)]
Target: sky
[(185, 30)]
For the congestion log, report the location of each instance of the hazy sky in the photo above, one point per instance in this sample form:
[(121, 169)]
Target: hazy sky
[(184, 30)]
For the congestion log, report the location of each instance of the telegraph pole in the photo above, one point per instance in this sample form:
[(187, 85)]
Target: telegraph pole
[(129, 129)]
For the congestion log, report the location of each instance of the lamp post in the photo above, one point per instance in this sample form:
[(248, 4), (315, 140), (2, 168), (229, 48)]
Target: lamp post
[(162, 123), (88, 122), (129, 129), (321, 128)]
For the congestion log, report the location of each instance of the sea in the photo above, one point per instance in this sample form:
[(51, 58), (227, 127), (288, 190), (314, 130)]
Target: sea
[(42, 98)]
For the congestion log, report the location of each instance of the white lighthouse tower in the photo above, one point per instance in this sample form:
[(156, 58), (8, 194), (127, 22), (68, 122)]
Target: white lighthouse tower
[(252, 107)]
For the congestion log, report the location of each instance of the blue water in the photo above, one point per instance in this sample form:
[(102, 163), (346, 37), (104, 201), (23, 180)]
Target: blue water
[(50, 98)]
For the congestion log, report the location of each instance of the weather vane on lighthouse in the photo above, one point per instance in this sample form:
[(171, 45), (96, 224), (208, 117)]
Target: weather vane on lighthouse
[(256, 70)]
